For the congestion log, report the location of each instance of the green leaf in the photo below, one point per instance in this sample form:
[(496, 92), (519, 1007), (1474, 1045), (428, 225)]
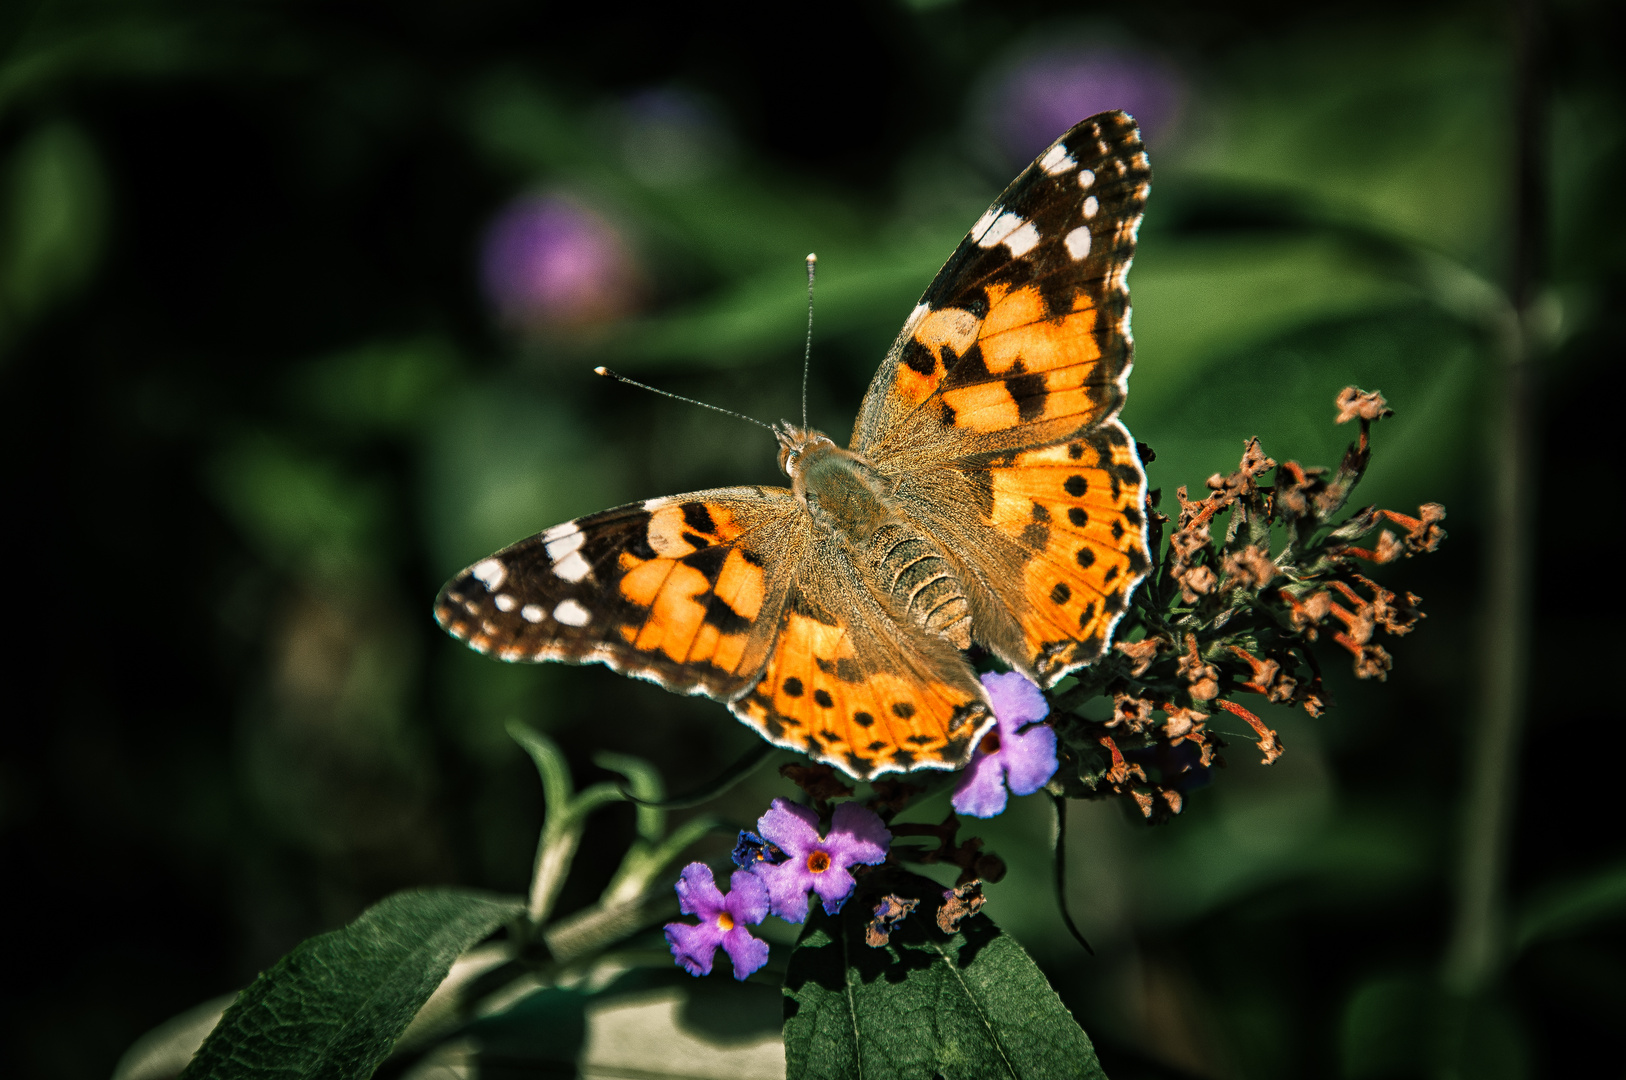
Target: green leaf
[(334, 1006), (972, 1005)]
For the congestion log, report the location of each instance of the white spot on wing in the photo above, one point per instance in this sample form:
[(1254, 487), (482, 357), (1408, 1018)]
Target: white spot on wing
[(1056, 161), (1091, 206), (564, 544), (1086, 177), (560, 530), (1023, 240), (1013, 231), (491, 573), (505, 602), (531, 613), (1078, 242), (654, 504), (571, 613), (572, 567)]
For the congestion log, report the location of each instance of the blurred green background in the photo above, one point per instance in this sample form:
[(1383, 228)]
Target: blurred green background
[(298, 309)]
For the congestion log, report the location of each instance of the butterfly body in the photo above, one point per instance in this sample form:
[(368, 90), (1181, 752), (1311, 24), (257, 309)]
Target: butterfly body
[(988, 495)]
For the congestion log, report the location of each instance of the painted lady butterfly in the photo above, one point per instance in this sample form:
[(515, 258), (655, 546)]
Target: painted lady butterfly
[(989, 495)]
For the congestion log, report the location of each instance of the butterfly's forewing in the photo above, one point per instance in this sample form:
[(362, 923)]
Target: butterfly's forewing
[(1023, 337), (685, 591), (1001, 394)]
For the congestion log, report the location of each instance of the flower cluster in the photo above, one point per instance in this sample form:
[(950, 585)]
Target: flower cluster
[(779, 865), (787, 858)]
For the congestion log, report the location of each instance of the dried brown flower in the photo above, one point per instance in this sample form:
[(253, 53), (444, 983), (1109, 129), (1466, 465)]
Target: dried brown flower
[(1269, 745), (1140, 653), (1354, 403), (891, 911), (1134, 713), (1249, 568), (959, 903), (1203, 678)]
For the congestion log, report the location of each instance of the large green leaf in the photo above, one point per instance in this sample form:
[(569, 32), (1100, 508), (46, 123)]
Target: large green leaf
[(972, 1005), (334, 1006)]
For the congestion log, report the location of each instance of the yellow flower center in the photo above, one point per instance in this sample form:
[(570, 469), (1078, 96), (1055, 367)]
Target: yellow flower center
[(725, 921), (818, 862)]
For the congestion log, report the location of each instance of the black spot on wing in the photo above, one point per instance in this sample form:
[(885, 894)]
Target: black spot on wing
[(698, 518), (1061, 593), (725, 618), (1028, 391), (919, 358), (793, 686), (707, 560), (824, 699)]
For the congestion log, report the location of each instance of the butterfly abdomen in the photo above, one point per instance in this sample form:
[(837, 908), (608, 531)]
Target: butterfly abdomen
[(923, 582), (852, 506)]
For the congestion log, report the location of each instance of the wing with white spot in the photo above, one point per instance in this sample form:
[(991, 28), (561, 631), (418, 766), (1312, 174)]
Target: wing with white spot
[(685, 591), (1022, 340)]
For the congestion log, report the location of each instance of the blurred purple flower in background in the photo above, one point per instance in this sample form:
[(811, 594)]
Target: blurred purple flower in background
[(723, 921), (1050, 90), (547, 261), (1019, 751)]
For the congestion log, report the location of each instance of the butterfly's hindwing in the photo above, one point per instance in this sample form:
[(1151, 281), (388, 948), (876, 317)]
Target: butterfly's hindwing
[(851, 683), (1077, 510)]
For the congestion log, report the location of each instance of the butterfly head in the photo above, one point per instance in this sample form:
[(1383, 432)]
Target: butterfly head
[(795, 444)]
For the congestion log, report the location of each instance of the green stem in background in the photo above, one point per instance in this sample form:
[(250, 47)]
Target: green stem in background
[(1478, 945), (566, 813)]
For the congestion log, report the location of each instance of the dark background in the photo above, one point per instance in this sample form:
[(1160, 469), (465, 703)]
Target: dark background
[(268, 380)]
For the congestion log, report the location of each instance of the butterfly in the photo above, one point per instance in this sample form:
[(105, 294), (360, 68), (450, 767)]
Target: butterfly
[(989, 495)]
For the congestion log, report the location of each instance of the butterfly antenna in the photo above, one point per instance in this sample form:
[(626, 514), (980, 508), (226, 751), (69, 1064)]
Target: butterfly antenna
[(608, 374), (807, 353)]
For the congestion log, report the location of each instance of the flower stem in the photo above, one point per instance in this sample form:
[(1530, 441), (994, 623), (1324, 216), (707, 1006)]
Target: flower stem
[(1478, 942)]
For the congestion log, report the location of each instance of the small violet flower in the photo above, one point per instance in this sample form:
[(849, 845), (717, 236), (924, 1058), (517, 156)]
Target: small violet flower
[(723, 920), (857, 836), (1008, 756)]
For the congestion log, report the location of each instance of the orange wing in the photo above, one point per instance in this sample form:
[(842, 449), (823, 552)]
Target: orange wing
[(1023, 338), (1002, 394), (854, 685), (685, 591), (1077, 513)]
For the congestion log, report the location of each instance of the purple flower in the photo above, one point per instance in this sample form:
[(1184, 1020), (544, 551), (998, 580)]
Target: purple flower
[(857, 836), (723, 920), (1054, 88), (1008, 756), (548, 261)]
